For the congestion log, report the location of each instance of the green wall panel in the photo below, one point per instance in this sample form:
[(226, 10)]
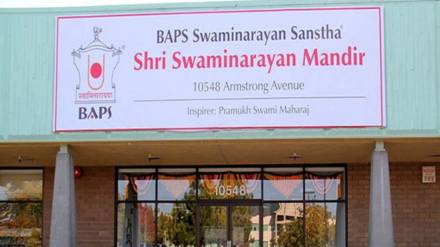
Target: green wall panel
[(4, 57), (412, 37), (437, 59), (410, 66), (30, 74)]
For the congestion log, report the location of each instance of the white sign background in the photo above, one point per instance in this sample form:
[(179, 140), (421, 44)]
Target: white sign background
[(166, 99)]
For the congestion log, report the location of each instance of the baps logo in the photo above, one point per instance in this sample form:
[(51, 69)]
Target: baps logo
[(95, 65), (101, 112)]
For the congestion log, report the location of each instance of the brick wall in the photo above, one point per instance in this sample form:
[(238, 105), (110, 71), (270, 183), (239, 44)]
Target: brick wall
[(358, 203), (94, 206), (416, 206)]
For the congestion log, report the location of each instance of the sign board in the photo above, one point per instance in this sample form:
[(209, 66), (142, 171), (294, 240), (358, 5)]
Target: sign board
[(428, 174), (229, 69)]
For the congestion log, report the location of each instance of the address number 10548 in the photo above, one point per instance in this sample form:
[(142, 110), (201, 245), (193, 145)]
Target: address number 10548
[(230, 190)]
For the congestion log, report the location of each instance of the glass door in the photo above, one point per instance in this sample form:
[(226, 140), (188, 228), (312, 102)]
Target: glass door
[(213, 225), (229, 224), (245, 225)]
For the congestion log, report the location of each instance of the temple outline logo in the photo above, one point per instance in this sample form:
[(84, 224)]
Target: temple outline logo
[(95, 65)]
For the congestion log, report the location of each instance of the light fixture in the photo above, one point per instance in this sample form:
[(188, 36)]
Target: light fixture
[(21, 159), (295, 156), (151, 157)]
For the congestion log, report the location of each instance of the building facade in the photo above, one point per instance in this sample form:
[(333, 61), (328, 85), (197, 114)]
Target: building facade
[(69, 184)]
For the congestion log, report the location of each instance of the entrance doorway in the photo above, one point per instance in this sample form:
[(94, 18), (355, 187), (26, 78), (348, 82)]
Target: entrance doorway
[(229, 223)]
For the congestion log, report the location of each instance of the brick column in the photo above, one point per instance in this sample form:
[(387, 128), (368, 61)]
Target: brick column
[(63, 225), (380, 227)]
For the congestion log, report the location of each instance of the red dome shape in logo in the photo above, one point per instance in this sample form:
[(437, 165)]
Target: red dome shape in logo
[(96, 70)]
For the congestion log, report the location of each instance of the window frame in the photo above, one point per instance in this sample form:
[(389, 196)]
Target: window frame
[(198, 200)]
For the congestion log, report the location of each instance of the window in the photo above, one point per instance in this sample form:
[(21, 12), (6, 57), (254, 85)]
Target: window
[(156, 206), (21, 207), (307, 206), (258, 206)]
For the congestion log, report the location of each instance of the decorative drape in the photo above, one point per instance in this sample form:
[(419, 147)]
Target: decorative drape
[(285, 184), (323, 183), (139, 184), (176, 185), (250, 180), (210, 181)]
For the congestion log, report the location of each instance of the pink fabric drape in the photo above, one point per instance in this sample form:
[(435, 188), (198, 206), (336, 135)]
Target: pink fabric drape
[(285, 184)]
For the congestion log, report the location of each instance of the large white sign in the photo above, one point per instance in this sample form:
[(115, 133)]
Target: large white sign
[(276, 68)]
